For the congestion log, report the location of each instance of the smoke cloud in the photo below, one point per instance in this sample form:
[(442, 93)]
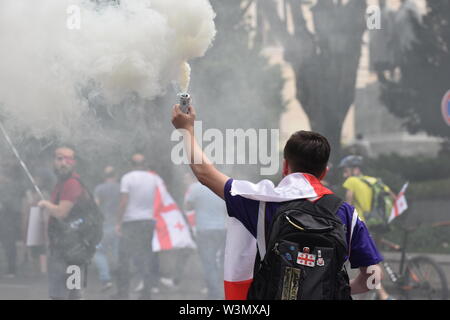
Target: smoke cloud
[(51, 72)]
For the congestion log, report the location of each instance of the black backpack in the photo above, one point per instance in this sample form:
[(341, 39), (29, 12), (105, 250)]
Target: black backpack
[(77, 236), (305, 256)]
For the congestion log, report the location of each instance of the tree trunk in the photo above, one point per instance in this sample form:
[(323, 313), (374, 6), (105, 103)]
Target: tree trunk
[(325, 60)]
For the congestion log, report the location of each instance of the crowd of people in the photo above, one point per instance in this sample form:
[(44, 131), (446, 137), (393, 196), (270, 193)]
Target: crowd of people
[(125, 252)]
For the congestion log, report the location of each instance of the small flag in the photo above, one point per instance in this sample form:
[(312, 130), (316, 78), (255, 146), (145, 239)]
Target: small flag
[(400, 204), (306, 259)]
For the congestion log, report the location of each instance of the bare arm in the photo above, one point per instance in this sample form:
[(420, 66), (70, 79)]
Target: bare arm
[(201, 166), (59, 211)]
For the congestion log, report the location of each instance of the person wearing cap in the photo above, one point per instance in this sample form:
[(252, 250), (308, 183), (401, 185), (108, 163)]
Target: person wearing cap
[(360, 195)]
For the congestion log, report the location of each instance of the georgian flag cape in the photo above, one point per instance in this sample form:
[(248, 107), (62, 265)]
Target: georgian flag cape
[(241, 245), (172, 230)]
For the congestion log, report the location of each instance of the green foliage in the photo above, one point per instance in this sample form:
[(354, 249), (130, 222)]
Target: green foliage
[(416, 168), (425, 239), (427, 190), (429, 177), (425, 75)]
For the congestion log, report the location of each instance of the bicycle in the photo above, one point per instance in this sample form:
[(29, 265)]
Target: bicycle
[(419, 277)]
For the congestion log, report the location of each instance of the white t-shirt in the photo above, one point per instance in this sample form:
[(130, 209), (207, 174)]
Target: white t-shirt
[(140, 187)]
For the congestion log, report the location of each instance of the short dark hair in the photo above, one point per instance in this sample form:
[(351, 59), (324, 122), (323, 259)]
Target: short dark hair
[(307, 152)]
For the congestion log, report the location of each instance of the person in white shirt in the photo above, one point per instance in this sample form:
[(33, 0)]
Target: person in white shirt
[(135, 226)]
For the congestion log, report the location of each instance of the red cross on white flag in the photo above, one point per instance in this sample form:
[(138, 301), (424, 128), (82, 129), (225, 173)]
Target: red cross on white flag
[(400, 204), (306, 259)]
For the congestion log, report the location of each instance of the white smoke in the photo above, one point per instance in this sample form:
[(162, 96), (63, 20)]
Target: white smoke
[(138, 47)]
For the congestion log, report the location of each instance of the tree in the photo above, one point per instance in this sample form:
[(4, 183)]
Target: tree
[(234, 86), (325, 58), (415, 95)]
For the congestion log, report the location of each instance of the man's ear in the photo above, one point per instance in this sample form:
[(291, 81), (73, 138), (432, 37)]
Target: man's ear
[(285, 171), (324, 173)]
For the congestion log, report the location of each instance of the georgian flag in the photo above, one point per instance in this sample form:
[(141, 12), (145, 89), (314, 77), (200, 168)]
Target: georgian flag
[(400, 204), (306, 259), (171, 231), (241, 249)]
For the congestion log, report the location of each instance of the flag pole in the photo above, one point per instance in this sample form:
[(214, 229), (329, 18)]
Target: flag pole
[(25, 168)]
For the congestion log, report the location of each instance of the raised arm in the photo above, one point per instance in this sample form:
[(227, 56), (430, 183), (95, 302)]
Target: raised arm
[(201, 166)]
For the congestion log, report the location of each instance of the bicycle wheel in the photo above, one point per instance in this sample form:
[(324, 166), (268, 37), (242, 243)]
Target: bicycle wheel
[(424, 279)]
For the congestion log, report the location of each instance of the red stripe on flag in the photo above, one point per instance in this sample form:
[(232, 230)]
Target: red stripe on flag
[(318, 187), (396, 211), (162, 231), (169, 208), (396, 214), (191, 218), (237, 290)]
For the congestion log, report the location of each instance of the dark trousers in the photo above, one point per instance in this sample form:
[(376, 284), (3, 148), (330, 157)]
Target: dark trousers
[(8, 238), (136, 245), (211, 248), (9, 246)]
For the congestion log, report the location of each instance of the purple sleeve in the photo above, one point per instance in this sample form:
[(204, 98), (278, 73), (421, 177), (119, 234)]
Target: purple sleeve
[(363, 251), (245, 210)]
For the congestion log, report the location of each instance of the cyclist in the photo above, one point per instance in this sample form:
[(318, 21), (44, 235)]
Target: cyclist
[(360, 193)]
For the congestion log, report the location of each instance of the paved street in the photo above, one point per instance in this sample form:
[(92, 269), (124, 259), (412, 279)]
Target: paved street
[(34, 287), (27, 287)]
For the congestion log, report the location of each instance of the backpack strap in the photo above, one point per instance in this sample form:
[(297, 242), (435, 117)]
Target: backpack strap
[(330, 203), (352, 227), (371, 186), (261, 230), (333, 203), (83, 186)]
